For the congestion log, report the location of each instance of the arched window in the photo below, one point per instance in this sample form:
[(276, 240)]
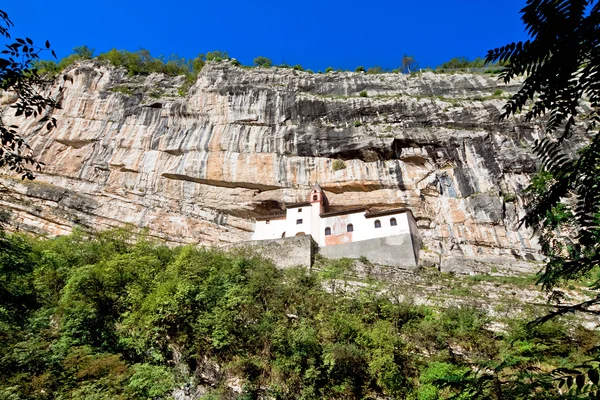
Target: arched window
[(377, 223), (327, 231), (393, 222), (350, 228), (315, 197)]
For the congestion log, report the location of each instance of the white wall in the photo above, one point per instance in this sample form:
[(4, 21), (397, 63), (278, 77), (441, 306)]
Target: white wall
[(312, 224), (386, 229), (364, 228), (338, 225), (273, 230), (291, 228)]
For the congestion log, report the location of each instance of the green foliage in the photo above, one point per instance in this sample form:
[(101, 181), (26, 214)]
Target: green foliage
[(263, 62), (84, 52), (115, 315), (51, 68), (363, 93), (375, 70), (151, 381), (19, 75), (328, 69), (461, 63), (126, 90), (298, 67), (360, 69), (141, 62), (560, 64), (46, 67), (217, 55), (338, 165), (409, 64)]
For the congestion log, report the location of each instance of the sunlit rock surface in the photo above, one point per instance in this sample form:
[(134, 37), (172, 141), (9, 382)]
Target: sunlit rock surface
[(243, 142)]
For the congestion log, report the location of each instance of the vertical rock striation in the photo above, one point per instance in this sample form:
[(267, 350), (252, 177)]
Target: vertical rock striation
[(243, 142)]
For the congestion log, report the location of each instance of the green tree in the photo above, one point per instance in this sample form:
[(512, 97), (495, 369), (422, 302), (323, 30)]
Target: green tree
[(561, 65), (217, 55), (263, 62), (84, 52), (19, 76), (408, 63)]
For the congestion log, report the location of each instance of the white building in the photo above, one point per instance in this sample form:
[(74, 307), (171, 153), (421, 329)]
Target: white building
[(333, 228)]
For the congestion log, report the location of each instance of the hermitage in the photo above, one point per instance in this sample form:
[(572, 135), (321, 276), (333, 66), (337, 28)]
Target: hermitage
[(337, 227)]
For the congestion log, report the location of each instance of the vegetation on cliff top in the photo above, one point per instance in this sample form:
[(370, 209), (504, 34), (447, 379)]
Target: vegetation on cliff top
[(112, 316), (142, 62)]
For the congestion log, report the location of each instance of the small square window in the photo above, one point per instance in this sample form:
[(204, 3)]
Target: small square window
[(299, 210), (267, 222), (298, 221)]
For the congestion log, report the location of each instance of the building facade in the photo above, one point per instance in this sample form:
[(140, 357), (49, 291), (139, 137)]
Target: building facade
[(334, 228)]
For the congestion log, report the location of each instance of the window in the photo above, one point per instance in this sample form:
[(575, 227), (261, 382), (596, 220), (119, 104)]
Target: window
[(350, 228), (393, 222), (327, 231), (298, 222), (299, 210), (267, 222), (315, 197), (377, 223)]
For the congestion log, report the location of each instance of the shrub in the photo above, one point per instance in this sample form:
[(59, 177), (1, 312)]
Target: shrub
[(360, 69), (375, 70), (150, 381), (338, 165), (363, 93), (46, 67), (122, 89), (328, 69), (357, 124), (298, 67), (216, 55), (263, 62), (84, 52)]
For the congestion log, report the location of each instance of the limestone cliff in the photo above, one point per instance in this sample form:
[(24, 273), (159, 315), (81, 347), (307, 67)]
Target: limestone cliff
[(243, 142)]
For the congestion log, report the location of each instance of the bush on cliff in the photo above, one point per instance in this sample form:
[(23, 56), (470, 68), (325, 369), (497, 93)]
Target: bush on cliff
[(263, 62)]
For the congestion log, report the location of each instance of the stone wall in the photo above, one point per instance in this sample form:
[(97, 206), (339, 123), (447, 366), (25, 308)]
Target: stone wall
[(285, 253), (392, 250)]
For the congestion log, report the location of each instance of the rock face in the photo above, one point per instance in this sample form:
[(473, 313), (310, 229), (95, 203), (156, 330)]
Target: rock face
[(243, 142)]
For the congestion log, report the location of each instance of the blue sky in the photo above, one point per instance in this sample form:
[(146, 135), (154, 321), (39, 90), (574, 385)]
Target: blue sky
[(315, 34)]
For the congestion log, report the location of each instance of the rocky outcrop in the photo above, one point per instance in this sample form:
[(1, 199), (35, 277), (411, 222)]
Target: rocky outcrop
[(243, 142)]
